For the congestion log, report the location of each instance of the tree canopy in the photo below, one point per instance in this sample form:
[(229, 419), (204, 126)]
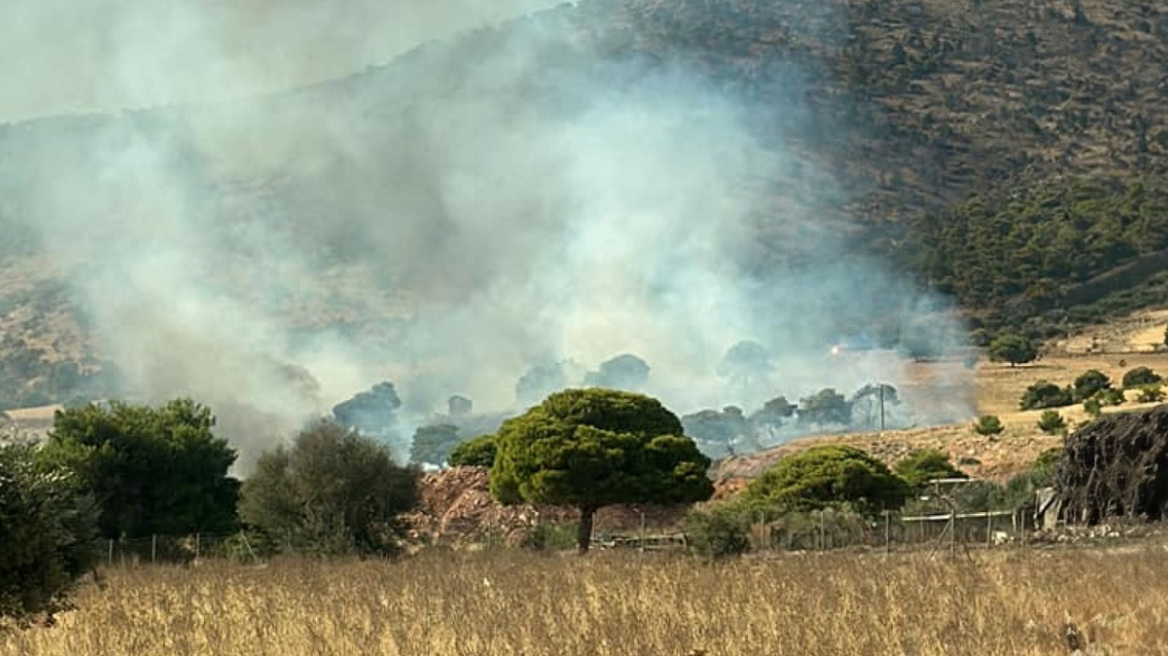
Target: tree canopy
[(433, 444), (924, 465), (334, 491), (595, 447), (1013, 348), (153, 470), (477, 452), (827, 476), (48, 533)]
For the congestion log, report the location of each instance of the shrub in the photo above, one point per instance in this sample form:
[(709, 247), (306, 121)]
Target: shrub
[(1150, 394), (334, 492), (1043, 394), (1110, 397), (987, 425), (479, 452), (1093, 407), (1141, 376), (1089, 384), (829, 476), (1013, 348), (719, 530), (48, 536), (1051, 422), (921, 466)]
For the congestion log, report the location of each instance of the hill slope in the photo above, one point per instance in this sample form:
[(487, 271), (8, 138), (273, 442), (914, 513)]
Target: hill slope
[(876, 121)]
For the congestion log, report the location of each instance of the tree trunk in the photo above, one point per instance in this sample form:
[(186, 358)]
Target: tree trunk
[(584, 529)]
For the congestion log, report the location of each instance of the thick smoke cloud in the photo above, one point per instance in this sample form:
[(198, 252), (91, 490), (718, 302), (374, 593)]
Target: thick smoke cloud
[(449, 222)]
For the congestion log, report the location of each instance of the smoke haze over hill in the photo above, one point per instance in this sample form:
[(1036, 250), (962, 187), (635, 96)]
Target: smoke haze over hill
[(448, 222)]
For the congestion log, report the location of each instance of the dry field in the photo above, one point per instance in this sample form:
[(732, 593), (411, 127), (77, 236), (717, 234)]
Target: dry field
[(1004, 603)]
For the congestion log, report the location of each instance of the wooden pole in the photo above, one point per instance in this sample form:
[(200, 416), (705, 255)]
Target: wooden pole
[(153, 547), (887, 532), (111, 551)]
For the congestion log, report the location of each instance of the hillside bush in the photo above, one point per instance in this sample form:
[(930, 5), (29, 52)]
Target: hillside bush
[(1150, 394), (987, 425), (1093, 407), (479, 452), (1043, 394), (718, 530), (1052, 423), (1141, 376), (1088, 384), (1110, 397), (923, 465), (48, 536)]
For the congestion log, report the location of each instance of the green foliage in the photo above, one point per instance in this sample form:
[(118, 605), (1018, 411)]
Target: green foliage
[(1111, 397), (719, 530), (548, 537), (333, 492), (1013, 348), (153, 470), (594, 447), (1088, 384), (1043, 394), (923, 465), (478, 452), (1044, 466), (1052, 423), (1038, 244), (1141, 376), (1093, 407), (1150, 394), (825, 407), (987, 425), (48, 535), (827, 476), (434, 444)]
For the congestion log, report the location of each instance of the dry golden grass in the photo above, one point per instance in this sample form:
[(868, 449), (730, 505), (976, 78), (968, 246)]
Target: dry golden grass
[(1008, 603)]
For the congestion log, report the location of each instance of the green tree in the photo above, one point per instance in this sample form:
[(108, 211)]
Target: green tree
[(478, 452), (433, 444), (1088, 384), (590, 448), (1043, 394), (153, 470), (1052, 423), (333, 492), (924, 465), (829, 476), (720, 530), (48, 535), (1013, 348), (1141, 376), (1150, 394), (987, 425)]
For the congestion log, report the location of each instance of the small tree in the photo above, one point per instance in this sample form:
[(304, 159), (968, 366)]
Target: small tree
[(721, 530), (1043, 394), (595, 447), (334, 491), (1150, 394), (1141, 376), (1089, 384), (153, 470), (829, 476), (1111, 397), (1093, 407), (1013, 348), (48, 535), (1052, 423), (987, 425), (924, 465), (479, 452), (433, 444), (826, 407)]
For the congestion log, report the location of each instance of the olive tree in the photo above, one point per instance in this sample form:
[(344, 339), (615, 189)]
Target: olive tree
[(590, 448)]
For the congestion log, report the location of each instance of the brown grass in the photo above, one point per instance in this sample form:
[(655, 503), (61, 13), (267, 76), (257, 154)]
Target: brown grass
[(1008, 603)]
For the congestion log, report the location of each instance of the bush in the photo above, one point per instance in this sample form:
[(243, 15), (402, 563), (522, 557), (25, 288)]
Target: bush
[(719, 530), (1051, 422), (921, 466), (1089, 384), (1045, 395), (334, 492), (1150, 394), (1013, 348), (987, 425), (1093, 407), (829, 476), (1110, 397), (1141, 376), (48, 536)]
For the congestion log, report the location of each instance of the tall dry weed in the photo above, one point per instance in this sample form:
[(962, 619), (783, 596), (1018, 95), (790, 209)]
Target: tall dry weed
[(1005, 603)]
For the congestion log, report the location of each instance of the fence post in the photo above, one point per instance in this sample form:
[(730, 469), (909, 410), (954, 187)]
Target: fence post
[(153, 547), (822, 535), (989, 529), (110, 558), (198, 538), (887, 532)]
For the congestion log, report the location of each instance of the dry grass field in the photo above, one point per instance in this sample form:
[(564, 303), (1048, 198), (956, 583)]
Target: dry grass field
[(1011, 603)]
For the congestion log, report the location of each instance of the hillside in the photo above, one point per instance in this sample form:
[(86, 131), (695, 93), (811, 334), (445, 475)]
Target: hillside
[(907, 131)]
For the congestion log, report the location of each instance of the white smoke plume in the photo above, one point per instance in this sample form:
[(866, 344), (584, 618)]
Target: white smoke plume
[(445, 222)]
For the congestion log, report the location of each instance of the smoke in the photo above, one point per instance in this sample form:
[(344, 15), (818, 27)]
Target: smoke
[(447, 222)]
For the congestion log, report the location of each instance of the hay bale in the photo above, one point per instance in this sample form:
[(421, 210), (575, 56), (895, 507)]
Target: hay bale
[(1116, 466)]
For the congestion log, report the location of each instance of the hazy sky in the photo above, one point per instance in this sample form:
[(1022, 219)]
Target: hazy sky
[(77, 55)]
